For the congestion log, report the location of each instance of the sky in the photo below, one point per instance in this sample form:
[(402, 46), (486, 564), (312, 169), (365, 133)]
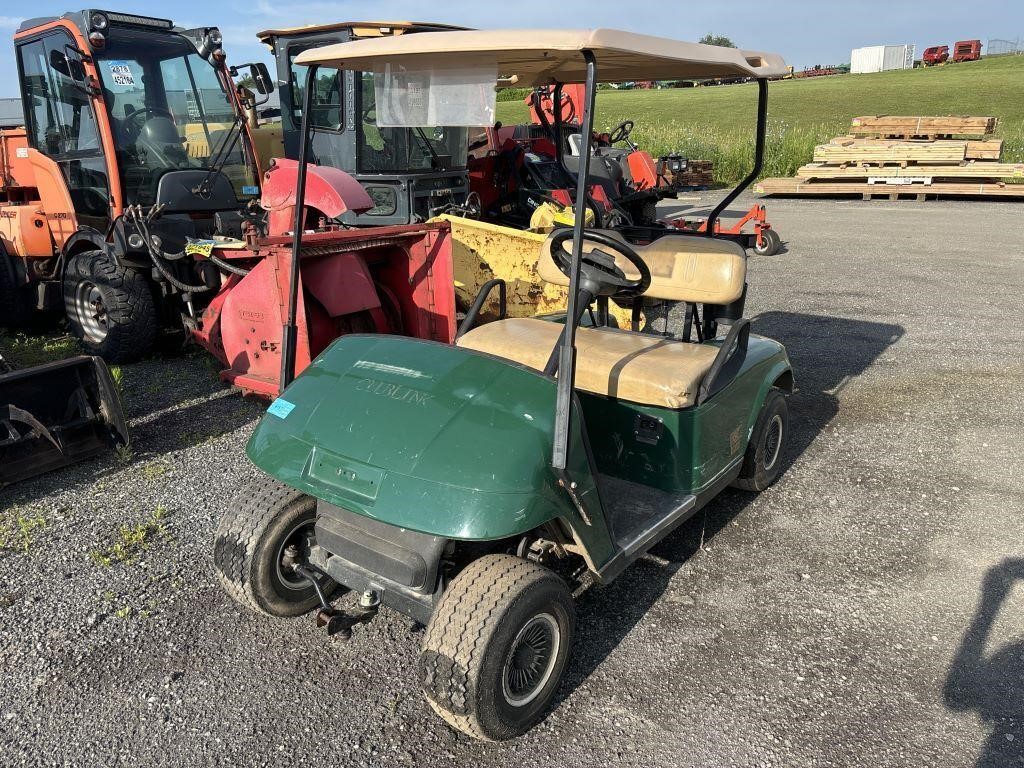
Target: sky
[(805, 32)]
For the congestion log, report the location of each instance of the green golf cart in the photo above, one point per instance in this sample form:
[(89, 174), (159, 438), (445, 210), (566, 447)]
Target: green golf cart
[(480, 487)]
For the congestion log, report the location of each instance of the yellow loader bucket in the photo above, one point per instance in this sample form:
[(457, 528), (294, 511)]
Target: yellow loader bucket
[(482, 252)]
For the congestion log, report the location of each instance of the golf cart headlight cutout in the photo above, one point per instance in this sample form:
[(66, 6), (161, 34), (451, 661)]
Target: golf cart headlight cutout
[(449, 96), (98, 22)]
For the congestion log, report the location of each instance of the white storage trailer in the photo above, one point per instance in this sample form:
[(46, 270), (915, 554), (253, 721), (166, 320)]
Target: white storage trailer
[(879, 58)]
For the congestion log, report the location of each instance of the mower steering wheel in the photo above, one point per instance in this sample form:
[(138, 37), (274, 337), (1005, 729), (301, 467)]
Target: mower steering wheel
[(134, 131), (599, 274), (621, 132)]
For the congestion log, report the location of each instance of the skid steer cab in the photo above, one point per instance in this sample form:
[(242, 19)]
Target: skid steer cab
[(479, 486), (135, 143), (412, 173)]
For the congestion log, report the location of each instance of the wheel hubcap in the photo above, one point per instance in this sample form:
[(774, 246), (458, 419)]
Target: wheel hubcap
[(531, 660), (772, 442), (301, 537), (91, 312)]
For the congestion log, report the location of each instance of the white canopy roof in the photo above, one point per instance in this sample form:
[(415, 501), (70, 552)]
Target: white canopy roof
[(542, 56)]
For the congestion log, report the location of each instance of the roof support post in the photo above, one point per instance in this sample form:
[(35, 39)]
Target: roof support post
[(762, 121), (289, 335), (567, 353)]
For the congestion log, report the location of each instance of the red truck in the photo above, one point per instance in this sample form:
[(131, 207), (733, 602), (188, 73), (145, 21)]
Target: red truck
[(937, 54), (967, 50)]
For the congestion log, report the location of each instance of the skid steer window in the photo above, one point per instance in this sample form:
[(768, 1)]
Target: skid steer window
[(405, 149)]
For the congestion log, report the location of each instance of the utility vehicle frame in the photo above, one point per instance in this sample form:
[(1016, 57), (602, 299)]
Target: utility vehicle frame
[(476, 487)]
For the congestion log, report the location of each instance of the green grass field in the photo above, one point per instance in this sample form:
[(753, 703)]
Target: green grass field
[(717, 123)]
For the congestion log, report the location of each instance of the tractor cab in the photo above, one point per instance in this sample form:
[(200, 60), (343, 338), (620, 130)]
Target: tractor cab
[(412, 173), (479, 486), (135, 144)]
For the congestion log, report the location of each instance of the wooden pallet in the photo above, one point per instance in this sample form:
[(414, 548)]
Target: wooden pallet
[(916, 125), (980, 169), (800, 187), (974, 149), (944, 153)]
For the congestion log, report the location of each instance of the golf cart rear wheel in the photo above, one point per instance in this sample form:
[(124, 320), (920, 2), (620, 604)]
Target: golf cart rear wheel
[(268, 527), (109, 308), (496, 647), (770, 244), (767, 447)]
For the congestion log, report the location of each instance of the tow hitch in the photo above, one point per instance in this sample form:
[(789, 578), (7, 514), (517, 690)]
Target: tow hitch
[(335, 621)]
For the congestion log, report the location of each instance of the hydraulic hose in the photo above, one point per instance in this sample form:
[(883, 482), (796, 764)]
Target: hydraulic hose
[(158, 260)]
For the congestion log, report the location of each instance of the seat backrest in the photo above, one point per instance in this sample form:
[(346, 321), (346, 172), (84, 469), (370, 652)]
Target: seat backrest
[(690, 268)]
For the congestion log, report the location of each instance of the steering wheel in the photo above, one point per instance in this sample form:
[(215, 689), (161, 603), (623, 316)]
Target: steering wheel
[(621, 132), (599, 274), (132, 130)]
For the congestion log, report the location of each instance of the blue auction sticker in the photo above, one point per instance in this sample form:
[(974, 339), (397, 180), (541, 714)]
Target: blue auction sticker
[(250, 190), (281, 408)]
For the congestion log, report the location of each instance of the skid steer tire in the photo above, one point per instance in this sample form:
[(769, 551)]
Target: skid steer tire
[(109, 308), (496, 647), (15, 309), (265, 517)]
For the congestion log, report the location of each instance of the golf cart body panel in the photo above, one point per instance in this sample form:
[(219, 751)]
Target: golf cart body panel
[(398, 449)]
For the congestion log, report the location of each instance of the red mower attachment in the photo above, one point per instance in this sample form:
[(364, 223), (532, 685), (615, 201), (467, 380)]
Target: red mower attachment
[(763, 240)]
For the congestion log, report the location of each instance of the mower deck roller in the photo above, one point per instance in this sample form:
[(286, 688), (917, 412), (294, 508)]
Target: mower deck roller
[(56, 414)]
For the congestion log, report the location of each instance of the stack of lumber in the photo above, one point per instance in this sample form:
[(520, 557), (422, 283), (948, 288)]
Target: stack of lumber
[(697, 174), (892, 156)]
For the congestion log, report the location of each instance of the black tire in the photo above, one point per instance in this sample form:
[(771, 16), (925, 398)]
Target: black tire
[(496, 647), (15, 308), (762, 462), (109, 308), (266, 516), (771, 242)]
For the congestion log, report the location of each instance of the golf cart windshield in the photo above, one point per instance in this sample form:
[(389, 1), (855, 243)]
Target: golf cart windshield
[(409, 148), (169, 111)]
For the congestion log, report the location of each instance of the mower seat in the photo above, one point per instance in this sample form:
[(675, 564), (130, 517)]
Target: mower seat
[(635, 367), (690, 268)]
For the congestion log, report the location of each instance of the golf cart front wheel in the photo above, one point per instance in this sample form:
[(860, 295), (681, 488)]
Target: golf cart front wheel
[(496, 647), (268, 528), (766, 450), (770, 243)]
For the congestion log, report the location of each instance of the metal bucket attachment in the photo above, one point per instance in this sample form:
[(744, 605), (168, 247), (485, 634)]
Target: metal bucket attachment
[(55, 414)]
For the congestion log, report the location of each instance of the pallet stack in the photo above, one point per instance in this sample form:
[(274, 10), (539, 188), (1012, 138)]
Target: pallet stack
[(894, 156), (695, 175)]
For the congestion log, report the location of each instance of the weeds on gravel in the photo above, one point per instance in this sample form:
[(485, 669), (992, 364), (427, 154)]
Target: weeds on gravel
[(123, 454), (132, 540), (18, 528), (23, 350), (118, 377), (154, 470)]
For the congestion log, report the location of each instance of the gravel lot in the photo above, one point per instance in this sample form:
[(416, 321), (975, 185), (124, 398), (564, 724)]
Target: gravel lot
[(862, 612)]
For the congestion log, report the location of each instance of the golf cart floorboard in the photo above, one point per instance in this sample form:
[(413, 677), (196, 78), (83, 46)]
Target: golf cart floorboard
[(641, 516)]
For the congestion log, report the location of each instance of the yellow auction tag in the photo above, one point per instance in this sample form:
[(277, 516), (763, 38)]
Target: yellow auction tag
[(199, 247)]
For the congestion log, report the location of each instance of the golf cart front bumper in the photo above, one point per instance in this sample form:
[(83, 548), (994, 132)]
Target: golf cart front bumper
[(363, 554)]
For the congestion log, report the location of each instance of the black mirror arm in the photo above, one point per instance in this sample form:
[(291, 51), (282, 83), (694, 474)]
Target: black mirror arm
[(728, 360)]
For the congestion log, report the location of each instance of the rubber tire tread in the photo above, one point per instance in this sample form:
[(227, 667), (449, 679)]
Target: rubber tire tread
[(466, 619), (14, 304), (751, 477), (129, 302), (237, 545)]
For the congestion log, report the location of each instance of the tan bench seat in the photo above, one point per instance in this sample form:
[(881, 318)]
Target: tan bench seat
[(636, 367)]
